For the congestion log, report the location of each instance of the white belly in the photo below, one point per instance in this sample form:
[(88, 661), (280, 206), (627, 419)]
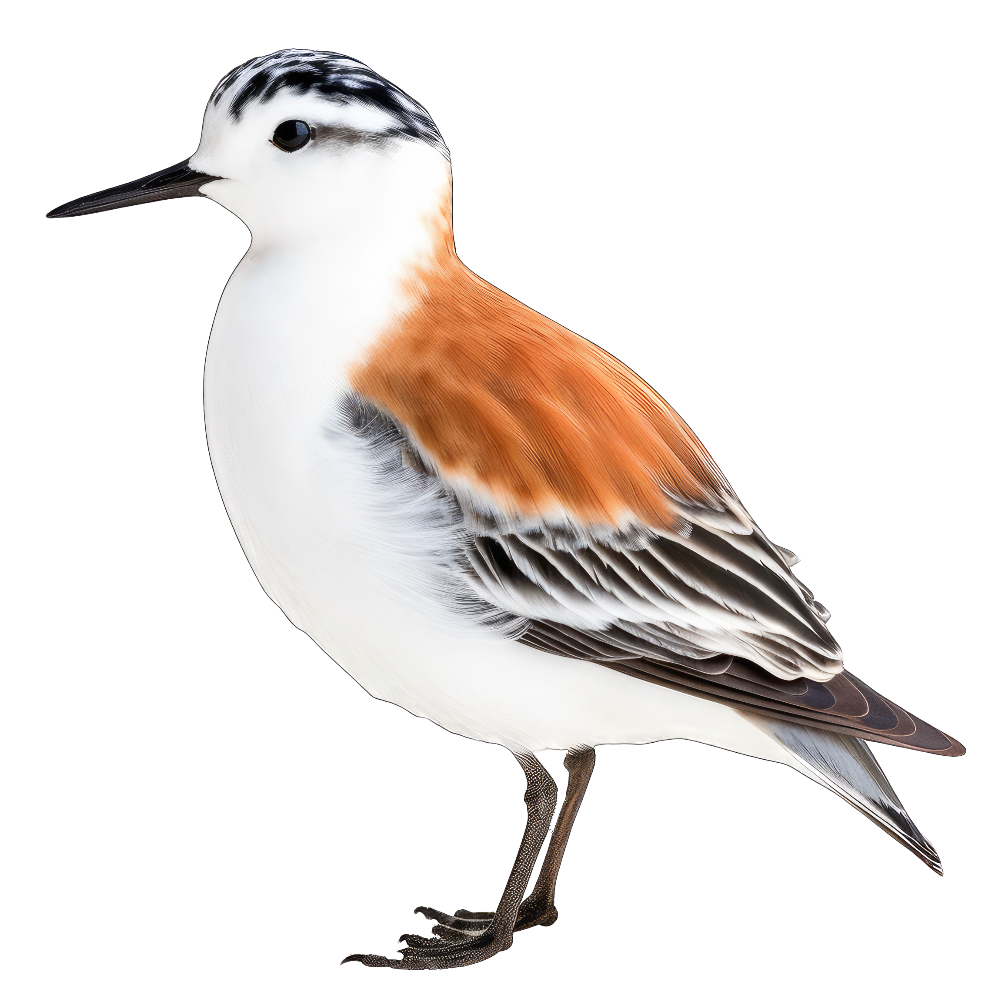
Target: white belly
[(339, 554)]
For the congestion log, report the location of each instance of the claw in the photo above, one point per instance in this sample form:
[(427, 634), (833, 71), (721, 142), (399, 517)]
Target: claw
[(416, 941), (371, 961)]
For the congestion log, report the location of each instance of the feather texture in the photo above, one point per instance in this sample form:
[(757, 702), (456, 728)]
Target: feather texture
[(714, 614), (593, 514), (528, 421), (847, 767)]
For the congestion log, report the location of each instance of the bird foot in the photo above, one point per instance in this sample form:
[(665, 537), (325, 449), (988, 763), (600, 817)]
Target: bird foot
[(462, 938)]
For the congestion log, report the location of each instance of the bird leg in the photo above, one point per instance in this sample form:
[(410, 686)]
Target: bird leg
[(467, 937), (540, 906)]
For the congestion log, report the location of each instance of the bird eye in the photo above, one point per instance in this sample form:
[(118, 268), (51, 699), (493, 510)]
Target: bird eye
[(291, 136)]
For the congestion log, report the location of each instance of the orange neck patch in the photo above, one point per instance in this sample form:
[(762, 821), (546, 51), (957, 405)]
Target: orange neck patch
[(531, 417)]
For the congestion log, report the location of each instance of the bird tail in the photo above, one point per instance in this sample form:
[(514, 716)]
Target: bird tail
[(845, 765)]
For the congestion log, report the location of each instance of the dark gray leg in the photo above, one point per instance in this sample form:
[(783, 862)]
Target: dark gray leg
[(482, 935), (540, 906)]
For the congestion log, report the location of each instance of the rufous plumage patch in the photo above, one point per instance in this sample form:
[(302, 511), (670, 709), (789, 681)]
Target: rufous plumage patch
[(533, 418)]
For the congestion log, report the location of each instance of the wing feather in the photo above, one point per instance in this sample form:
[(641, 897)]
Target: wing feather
[(706, 604), (670, 588)]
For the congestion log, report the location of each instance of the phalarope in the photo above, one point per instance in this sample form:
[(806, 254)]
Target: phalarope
[(482, 517)]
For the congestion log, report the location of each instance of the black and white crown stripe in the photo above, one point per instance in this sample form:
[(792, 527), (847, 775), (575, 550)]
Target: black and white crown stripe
[(332, 76)]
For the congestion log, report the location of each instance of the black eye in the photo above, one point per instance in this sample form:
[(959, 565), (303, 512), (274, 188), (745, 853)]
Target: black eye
[(291, 136)]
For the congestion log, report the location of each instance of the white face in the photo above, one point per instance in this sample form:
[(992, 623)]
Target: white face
[(350, 174)]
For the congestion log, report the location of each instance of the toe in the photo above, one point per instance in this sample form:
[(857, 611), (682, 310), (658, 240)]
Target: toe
[(461, 920), (372, 961), (463, 938)]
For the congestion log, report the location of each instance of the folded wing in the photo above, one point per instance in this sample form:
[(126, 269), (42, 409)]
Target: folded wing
[(593, 514)]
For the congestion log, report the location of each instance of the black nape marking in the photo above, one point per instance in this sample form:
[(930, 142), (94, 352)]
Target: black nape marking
[(332, 76)]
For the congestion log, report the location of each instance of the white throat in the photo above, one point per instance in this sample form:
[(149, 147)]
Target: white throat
[(329, 248)]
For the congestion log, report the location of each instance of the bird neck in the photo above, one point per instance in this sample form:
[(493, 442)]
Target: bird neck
[(369, 203), (326, 297)]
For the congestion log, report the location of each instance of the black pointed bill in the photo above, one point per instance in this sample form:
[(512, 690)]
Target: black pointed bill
[(178, 181)]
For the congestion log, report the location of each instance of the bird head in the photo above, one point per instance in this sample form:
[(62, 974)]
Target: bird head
[(300, 143)]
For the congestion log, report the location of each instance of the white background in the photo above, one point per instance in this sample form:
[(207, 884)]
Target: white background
[(784, 215)]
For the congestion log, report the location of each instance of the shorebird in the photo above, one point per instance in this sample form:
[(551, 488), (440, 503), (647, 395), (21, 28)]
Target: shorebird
[(481, 516)]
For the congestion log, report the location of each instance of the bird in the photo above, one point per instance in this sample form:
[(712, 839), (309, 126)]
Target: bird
[(481, 516)]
